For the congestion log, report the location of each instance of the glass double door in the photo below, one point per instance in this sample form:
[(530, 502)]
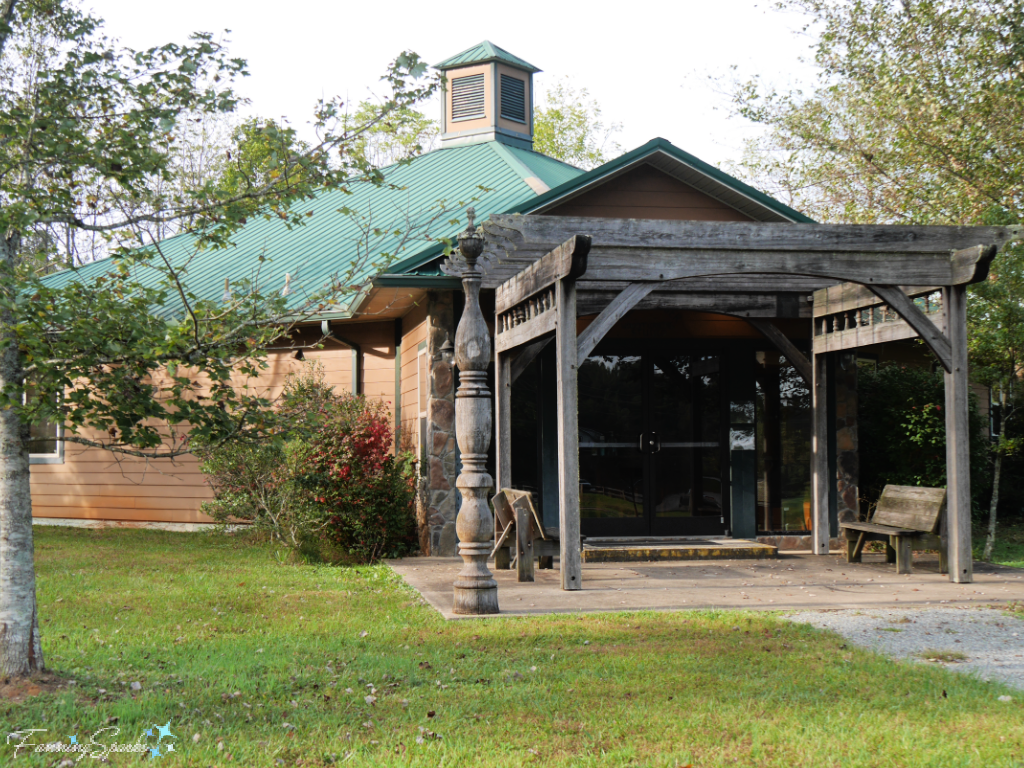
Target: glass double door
[(651, 445)]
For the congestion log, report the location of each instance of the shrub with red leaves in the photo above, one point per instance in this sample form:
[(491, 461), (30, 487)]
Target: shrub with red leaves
[(354, 493)]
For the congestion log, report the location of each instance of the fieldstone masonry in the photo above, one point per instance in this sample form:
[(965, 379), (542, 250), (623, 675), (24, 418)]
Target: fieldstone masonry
[(442, 455)]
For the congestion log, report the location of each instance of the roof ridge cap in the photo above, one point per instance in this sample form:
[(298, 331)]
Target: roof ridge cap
[(528, 177)]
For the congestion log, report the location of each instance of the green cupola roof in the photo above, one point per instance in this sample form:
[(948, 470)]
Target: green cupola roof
[(484, 52)]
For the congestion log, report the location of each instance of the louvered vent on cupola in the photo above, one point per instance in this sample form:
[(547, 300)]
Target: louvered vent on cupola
[(513, 98), (488, 97), (468, 97)]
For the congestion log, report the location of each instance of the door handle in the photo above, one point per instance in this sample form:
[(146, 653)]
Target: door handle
[(650, 445)]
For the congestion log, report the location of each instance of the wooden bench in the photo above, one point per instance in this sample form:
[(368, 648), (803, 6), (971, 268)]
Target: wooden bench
[(520, 535), (907, 518)]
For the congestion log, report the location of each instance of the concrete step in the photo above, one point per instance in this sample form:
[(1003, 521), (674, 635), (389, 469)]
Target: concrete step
[(632, 550)]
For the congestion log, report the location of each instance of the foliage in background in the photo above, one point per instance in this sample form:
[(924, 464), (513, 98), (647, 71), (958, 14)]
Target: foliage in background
[(995, 323), (332, 490), (902, 434), (569, 127), (403, 135), (915, 119)]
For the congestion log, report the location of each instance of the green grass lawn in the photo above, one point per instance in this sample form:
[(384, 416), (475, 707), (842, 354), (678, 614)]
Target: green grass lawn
[(271, 664)]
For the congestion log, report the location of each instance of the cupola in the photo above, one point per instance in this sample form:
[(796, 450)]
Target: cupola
[(488, 97)]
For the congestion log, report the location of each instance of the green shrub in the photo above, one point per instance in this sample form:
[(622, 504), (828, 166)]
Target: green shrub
[(902, 432), (248, 485), (329, 489)]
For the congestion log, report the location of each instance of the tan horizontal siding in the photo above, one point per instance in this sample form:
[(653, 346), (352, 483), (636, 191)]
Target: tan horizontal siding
[(93, 484), (647, 193), (414, 332), (175, 501)]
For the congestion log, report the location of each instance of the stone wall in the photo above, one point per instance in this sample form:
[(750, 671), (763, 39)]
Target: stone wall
[(847, 459), (441, 497)]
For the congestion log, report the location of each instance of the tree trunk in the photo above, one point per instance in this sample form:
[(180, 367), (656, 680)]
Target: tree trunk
[(20, 649), (990, 540)]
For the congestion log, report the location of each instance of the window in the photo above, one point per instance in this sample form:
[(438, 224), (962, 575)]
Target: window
[(468, 97), (45, 446), (783, 408), (513, 99)]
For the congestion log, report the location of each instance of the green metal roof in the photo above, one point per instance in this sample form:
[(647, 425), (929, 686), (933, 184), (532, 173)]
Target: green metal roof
[(719, 184), (490, 176), (483, 52), (494, 174)]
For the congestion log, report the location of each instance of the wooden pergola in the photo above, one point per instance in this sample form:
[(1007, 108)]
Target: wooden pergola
[(864, 279)]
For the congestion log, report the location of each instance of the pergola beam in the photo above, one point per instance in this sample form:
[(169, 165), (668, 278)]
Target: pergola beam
[(548, 231), (526, 355), (865, 267), (609, 316), (919, 321), (762, 304), (786, 347)]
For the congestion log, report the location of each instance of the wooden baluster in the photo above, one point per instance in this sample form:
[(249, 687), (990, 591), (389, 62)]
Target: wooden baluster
[(476, 591)]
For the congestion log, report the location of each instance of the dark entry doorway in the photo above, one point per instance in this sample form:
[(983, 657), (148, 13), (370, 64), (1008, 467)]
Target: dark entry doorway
[(652, 447)]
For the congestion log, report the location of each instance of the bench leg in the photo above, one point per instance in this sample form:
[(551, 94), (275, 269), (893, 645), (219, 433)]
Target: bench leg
[(851, 545), (943, 560), (524, 546), (546, 563), (854, 557), (903, 554), (502, 559), (890, 551)]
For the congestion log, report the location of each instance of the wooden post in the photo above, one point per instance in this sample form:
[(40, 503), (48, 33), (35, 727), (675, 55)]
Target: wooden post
[(503, 419), (524, 544), (476, 591), (958, 466), (820, 475), (503, 437), (568, 435), (902, 554)]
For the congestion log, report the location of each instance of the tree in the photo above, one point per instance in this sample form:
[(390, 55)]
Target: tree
[(915, 119), (405, 134), (570, 128), (126, 364)]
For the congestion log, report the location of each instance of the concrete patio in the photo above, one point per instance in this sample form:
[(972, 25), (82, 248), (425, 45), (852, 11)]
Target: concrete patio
[(794, 581)]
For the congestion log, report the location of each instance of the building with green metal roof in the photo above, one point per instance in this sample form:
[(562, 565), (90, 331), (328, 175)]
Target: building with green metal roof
[(389, 339)]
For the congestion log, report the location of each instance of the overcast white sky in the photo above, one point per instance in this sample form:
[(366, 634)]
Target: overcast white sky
[(646, 63)]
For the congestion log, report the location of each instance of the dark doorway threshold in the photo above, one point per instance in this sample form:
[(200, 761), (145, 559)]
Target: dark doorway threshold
[(647, 549)]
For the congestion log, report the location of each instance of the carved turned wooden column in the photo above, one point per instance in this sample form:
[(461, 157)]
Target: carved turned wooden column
[(476, 591)]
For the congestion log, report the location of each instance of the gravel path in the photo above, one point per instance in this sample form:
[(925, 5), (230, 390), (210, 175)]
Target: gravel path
[(992, 641)]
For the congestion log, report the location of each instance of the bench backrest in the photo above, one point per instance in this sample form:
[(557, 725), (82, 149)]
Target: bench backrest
[(907, 506), (508, 500)]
